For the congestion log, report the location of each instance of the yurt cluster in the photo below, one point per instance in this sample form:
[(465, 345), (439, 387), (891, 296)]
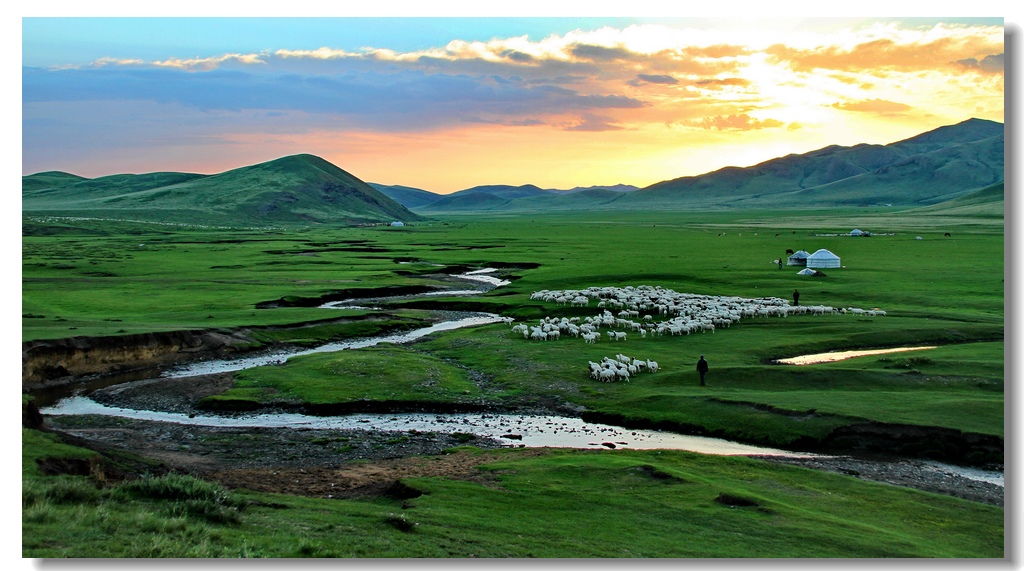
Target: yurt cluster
[(820, 259)]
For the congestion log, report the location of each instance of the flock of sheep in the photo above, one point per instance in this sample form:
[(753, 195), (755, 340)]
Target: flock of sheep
[(631, 309), (620, 368)]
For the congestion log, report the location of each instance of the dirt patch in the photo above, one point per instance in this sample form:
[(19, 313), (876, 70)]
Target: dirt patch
[(906, 473), (202, 449), (356, 480)]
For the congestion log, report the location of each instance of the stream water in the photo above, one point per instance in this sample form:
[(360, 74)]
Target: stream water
[(518, 430), (526, 430), (276, 357)]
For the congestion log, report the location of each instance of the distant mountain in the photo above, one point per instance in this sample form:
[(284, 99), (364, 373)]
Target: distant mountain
[(934, 166), (938, 166), (407, 196), (294, 189), (471, 202), (613, 188), (502, 197), (459, 202), (504, 191)]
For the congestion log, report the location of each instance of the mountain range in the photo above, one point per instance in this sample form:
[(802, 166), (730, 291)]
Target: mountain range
[(929, 168), (935, 167)]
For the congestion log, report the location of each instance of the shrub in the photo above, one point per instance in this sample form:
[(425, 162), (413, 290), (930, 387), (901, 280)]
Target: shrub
[(61, 490), (191, 497), (175, 487)]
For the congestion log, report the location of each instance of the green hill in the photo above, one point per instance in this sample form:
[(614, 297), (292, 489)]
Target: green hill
[(407, 196), (987, 202), (472, 202), (294, 189), (48, 179), (932, 167)]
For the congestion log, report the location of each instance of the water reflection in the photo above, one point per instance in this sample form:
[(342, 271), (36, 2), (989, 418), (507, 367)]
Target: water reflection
[(841, 355)]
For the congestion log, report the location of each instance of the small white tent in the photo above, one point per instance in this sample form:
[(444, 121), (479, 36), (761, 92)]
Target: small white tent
[(798, 259), (823, 259), (807, 272), (398, 223)]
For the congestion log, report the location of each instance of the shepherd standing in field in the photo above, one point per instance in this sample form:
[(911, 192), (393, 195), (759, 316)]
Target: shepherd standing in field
[(796, 297), (702, 368)]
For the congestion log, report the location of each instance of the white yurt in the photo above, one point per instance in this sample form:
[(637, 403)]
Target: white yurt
[(856, 232), (807, 272), (823, 259), (798, 259), (398, 223)]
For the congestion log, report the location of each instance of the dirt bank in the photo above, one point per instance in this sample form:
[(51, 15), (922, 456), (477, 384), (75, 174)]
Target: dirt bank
[(50, 362)]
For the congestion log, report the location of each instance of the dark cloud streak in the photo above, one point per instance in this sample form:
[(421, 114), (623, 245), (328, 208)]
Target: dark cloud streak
[(388, 101)]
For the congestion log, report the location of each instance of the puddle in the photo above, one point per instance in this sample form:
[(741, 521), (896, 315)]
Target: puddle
[(967, 472), (841, 355), (478, 276)]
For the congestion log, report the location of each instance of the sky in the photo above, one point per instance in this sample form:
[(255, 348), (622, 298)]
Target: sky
[(447, 103)]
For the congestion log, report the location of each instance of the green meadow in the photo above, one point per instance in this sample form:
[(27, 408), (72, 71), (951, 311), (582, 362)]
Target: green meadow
[(95, 278), (561, 504)]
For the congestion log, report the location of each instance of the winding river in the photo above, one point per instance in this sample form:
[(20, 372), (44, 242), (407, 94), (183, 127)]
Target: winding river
[(517, 430)]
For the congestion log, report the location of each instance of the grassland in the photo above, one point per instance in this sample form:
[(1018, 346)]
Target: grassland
[(561, 504), (95, 278)]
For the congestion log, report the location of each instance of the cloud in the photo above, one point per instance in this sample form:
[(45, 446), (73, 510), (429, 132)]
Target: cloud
[(590, 122), (740, 122), (663, 79), (988, 64), (721, 83), (193, 64), (601, 53), (880, 106), (887, 48), (404, 100)]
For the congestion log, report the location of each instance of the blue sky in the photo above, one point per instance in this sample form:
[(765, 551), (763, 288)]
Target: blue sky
[(51, 41)]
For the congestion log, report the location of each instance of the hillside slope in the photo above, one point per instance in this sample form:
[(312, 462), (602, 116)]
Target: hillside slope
[(988, 202), (929, 168), (294, 189), (407, 196)]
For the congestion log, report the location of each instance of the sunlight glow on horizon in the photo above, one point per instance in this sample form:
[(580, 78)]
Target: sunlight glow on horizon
[(634, 105)]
